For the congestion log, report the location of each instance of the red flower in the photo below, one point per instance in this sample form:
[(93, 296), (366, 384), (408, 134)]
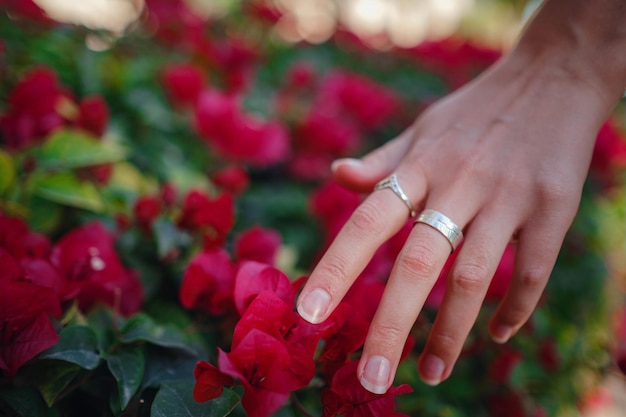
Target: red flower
[(507, 403), (260, 362), (548, 355), (214, 218), (174, 22), (93, 115), (183, 83), (333, 204), (209, 283), (147, 209), (25, 328), (272, 316), (238, 135), (326, 133), (367, 102), (210, 382), (347, 397), (258, 244), (86, 257), (502, 366), (233, 179), (609, 152), (32, 111), (253, 278), (27, 9), (19, 241)]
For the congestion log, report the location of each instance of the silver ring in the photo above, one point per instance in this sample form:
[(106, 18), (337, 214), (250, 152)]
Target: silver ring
[(443, 225), (391, 182)]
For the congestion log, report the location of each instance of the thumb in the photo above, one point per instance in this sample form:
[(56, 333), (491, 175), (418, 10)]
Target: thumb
[(361, 175)]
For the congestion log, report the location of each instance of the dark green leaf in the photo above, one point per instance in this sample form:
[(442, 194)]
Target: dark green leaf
[(127, 365), (68, 149), (26, 402), (142, 328), (66, 188), (78, 345), (52, 377), (176, 400)]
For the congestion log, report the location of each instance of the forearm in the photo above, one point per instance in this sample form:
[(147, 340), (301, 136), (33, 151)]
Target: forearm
[(585, 39)]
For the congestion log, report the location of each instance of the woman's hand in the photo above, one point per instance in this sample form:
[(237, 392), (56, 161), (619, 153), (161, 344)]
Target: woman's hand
[(506, 156)]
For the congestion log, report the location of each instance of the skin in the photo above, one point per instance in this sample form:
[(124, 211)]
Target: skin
[(504, 156)]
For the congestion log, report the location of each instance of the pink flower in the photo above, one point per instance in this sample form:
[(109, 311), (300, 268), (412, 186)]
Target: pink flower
[(209, 283), (347, 397), (183, 83), (258, 244), (237, 135), (19, 241), (370, 104), (253, 278), (86, 257)]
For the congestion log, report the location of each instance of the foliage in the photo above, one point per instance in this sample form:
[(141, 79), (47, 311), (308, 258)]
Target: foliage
[(162, 200)]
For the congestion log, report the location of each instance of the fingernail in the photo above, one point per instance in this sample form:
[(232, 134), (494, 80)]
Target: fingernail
[(375, 376), (501, 334), (431, 369), (314, 305), (345, 161)]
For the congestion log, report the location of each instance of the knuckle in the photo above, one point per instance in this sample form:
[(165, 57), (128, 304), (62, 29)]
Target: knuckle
[(366, 220), (514, 315), (418, 260), (533, 279), (336, 268), (469, 278), (388, 337), (554, 192), (444, 343)]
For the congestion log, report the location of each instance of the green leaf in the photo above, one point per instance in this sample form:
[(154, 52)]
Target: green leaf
[(142, 328), (7, 171), (53, 377), (78, 345), (176, 400), (26, 402), (65, 188), (69, 149), (127, 365), (168, 236)]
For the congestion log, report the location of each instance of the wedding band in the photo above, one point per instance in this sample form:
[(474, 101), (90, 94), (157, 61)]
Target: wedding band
[(391, 182), (443, 225)]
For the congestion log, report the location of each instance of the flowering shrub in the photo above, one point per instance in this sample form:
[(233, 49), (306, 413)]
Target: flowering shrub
[(162, 201)]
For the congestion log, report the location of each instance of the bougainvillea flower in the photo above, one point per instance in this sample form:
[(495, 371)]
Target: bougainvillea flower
[(333, 204), (233, 179), (214, 218), (233, 58), (33, 109), (260, 362), (502, 366), (369, 103), (17, 239), (210, 382), (10, 268), (238, 135), (326, 133), (209, 282), (25, 327), (506, 403), (258, 244), (609, 152), (174, 22), (93, 115), (347, 397), (344, 332), (146, 211), (86, 257), (27, 9), (183, 83), (253, 278), (272, 316)]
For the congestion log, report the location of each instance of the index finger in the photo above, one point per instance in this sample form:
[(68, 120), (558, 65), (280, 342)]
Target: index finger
[(378, 218)]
